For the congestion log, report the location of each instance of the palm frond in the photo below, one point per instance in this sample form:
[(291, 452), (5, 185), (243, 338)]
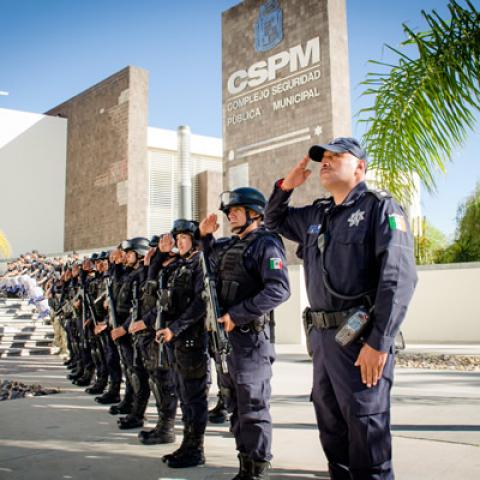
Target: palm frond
[(424, 106)]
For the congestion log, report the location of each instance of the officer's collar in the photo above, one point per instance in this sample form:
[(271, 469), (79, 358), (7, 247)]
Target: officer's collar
[(354, 194)]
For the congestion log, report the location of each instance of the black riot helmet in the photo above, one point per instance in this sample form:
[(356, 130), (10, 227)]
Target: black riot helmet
[(103, 255), (94, 257), (125, 245), (154, 241), (185, 226), (247, 197), (140, 245)]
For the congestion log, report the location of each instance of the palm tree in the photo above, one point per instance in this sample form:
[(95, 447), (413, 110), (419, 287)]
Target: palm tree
[(424, 106)]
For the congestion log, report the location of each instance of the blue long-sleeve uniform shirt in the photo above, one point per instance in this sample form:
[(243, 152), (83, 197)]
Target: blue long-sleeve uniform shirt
[(368, 248), (265, 259)]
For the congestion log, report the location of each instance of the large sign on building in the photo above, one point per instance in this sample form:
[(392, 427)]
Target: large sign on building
[(285, 87)]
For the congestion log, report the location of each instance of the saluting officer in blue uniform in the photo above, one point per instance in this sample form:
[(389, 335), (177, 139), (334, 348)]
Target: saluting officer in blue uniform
[(182, 328), (358, 257), (252, 280)]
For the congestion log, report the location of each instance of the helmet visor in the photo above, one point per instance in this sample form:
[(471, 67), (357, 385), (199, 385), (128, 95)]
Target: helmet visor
[(228, 199)]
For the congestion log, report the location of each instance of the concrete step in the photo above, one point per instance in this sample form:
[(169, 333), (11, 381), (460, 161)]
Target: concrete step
[(25, 328), (23, 336), (15, 312), (24, 352), (4, 344)]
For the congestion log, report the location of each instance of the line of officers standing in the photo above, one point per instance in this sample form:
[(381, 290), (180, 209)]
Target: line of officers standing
[(138, 313), (360, 275)]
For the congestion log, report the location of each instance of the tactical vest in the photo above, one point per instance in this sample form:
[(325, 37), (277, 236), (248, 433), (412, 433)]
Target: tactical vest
[(179, 290), (235, 283), (124, 296), (148, 295)]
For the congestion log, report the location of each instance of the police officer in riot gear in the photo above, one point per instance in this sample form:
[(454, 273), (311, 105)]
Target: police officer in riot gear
[(127, 306), (111, 359), (126, 283), (252, 281), (90, 362), (94, 316), (160, 375), (360, 269), (75, 326), (182, 329)]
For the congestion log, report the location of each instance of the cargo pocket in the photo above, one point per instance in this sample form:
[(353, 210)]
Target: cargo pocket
[(191, 363)]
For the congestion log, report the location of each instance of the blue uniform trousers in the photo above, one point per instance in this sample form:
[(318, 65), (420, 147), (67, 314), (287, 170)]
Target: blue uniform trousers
[(248, 382), (354, 421), (160, 379), (191, 376), (112, 358)]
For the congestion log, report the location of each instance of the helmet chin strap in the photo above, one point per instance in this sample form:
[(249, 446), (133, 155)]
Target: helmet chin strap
[(240, 230), (248, 222)]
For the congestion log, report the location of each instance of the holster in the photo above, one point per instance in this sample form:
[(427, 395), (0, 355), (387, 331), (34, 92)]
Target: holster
[(307, 326)]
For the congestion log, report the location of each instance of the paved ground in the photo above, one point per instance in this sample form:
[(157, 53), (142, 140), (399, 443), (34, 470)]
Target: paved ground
[(435, 416)]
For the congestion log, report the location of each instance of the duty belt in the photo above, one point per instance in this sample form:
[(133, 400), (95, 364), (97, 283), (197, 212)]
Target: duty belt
[(254, 326), (325, 320)]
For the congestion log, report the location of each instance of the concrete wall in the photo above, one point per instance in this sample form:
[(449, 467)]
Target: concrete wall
[(444, 308), (32, 180), (106, 188), (270, 124)]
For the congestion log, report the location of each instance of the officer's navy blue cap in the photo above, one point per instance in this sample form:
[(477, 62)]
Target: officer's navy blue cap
[(338, 145)]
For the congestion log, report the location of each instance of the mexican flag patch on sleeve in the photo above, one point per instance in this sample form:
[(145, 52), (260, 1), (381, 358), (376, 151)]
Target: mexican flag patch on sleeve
[(275, 264), (397, 222)]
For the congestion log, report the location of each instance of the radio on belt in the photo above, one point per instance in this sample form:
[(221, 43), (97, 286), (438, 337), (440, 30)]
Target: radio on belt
[(352, 328)]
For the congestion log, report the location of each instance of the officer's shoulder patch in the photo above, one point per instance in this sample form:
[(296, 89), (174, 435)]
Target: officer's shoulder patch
[(275, 263), (379, 194)]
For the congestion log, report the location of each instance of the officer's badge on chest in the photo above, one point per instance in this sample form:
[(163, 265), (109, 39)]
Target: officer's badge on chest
[(314, 228), (355, 218)]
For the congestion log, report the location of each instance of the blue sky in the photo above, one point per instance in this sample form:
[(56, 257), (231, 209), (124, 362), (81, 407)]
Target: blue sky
[(51, 50)]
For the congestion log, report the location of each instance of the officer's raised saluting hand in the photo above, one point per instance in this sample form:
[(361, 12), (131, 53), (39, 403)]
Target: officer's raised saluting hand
[(297, 175), (166, 243), (208, 225)]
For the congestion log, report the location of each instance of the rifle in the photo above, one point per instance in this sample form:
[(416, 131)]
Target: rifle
[(97, 347), (111, 304), (218, 338), (135, 303), (160, 322)]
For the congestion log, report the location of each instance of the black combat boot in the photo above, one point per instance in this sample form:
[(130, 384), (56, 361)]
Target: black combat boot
[(76, 373), (130, 421), (187, 433), (192, 455), (125, 406), (97, 387), (162, 433), (218, 414), (85, 379), (112, 395), (135, 418), (259, 471), (245, 470)]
